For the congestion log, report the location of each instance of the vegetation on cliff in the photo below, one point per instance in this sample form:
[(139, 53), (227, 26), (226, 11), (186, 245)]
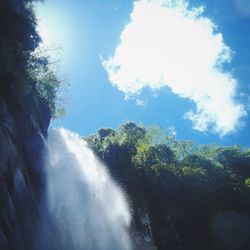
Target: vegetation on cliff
[(198, 196), (22, 67), (29, 91)]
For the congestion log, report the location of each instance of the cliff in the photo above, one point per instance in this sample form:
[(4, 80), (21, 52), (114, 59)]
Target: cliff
[(24, 119)]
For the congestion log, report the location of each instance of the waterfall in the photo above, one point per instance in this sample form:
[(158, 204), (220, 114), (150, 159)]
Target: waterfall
[(88, 209)]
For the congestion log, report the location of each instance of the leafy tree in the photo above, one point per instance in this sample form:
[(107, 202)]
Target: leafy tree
[(46, 82)]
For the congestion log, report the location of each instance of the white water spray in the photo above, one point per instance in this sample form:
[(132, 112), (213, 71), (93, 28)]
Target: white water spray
[(87, 206)]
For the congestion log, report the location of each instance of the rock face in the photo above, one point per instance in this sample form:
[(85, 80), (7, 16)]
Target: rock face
[(142, 234), (24, 119), (22, 134)]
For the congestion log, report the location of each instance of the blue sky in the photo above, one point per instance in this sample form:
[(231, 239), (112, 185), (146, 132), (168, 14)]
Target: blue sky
[(176, 66)]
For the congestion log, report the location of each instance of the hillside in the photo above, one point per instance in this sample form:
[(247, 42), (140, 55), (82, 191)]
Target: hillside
[(196, 196)]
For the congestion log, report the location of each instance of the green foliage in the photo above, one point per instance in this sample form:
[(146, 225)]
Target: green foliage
[(184, 185), (148, 155), (247, 182), (23, 67), (189, 171), (47, 84), (129, 135)]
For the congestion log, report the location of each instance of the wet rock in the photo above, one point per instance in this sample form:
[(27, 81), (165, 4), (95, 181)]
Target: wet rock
[(231, 231), (22, 134), (4, 245), (142, 234)]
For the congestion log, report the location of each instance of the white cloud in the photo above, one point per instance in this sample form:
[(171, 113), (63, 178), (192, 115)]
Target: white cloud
[(167, 43), (172, 131), (141, 103)]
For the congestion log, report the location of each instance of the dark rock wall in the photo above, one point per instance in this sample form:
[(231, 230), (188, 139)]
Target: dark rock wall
[(22, 133), (24, 119)]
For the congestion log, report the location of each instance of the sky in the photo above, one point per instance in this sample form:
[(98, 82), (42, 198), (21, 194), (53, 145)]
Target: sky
[(183, 65)]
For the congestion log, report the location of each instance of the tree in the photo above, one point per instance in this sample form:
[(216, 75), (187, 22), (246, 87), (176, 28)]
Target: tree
[(46, 82)]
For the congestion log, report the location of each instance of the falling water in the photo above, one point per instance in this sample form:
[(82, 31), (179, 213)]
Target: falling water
[(88, 208)]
